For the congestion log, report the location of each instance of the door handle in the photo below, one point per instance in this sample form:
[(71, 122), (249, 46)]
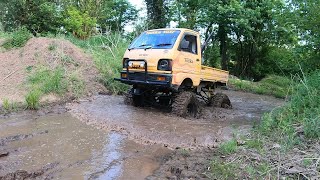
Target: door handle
[(197, 60)]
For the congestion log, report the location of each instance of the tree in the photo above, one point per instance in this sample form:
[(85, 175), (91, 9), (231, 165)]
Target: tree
[(120, 14), (38, 16), (80, 24), (157, 13)]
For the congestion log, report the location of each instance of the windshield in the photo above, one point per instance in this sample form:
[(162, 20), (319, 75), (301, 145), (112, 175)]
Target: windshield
[(160, 39)]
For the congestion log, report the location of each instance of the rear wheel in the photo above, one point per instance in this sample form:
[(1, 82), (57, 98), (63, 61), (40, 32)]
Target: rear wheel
[(221, 100), (186, 104)]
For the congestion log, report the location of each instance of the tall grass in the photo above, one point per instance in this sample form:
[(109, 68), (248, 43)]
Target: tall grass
[(277, 86), (17, 38), (49, 80), (301, 116), (108, 51)]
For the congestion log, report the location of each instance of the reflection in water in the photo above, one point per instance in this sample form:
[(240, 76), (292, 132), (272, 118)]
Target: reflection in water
[(110, 161)]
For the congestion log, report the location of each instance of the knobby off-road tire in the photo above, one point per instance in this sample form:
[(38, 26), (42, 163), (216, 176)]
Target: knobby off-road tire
[(186, 104), (221, 100), (133, 100), (128, 100)]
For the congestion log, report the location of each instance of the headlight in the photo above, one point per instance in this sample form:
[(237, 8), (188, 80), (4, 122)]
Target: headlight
[(125, 62), (164, 65)]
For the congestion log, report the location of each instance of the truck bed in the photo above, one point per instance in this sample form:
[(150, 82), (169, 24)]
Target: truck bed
[(213, 75)]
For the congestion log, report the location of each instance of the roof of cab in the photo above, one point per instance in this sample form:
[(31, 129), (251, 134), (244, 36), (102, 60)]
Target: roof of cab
[(180, 29)]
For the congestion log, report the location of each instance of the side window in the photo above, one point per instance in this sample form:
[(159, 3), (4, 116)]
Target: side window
[(189, 44)]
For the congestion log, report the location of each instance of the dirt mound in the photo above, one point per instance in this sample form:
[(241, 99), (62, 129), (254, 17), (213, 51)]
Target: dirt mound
[(50, 53)]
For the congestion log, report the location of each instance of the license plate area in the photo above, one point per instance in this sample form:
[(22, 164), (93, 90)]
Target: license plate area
[(136, 64)]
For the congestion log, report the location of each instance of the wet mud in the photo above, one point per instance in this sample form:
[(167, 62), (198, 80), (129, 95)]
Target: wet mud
[(58, 146), (152, 126), (122, 142)]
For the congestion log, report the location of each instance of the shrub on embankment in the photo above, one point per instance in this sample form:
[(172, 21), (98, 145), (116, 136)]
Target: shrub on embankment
[(277, 86), (108, 51), (299, 119)]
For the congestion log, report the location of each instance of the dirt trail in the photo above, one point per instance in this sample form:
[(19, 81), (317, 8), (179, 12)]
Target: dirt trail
[(150, 126)]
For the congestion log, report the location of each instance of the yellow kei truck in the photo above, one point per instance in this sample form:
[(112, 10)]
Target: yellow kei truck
[(164, 67)]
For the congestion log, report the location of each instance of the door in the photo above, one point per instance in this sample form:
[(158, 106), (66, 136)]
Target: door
[(189, 58)]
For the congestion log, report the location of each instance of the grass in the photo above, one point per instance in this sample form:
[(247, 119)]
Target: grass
[(228, 147), (17, 39), (33, 99), (49, 80), (108, 51), (9, 106), (277, 86), (76, 85), (294, 128), (222, 170), (301, 113)]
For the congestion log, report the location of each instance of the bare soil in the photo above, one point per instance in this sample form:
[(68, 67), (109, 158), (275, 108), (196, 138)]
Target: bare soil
[(47, 52)]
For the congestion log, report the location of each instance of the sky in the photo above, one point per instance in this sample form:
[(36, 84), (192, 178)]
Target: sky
[(139, 4)]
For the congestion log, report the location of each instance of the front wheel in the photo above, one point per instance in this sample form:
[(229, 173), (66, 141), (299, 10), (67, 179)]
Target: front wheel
[(135, 100), (186, 104)]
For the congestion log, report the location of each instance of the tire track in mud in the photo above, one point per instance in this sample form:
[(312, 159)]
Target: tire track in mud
[(151, 126)]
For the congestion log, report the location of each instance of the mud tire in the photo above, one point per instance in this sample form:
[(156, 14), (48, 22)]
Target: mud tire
[(186, 104), (133, 100), (221, 100), (128, 100)]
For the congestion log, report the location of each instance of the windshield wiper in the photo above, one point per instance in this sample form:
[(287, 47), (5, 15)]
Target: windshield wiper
[(164, 44), (147, 46)]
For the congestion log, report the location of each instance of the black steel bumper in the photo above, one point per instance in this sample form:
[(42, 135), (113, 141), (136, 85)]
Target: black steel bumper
[(144, 77), (137, 78)]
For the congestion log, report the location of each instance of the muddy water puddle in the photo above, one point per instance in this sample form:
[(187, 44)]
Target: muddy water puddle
[(59, 146), (151, 126)]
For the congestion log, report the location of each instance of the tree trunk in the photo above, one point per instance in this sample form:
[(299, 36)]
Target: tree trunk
[(222, 34)]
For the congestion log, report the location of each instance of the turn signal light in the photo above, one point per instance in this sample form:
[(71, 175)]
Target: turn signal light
[(124, 76), (161, 78)]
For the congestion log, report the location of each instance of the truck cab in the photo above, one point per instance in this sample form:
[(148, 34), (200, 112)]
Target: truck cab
[(163, 63)]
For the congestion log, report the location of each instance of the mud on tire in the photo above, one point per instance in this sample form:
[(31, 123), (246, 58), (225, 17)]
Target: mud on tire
[(128, 100), (186, 104), (133, 100), (221, 100)]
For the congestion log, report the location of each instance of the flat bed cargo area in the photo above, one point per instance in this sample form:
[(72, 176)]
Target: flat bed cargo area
[(213, 74)]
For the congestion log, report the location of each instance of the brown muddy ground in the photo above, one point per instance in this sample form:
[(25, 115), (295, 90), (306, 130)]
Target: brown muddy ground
[(58, 146), (122, 142), (151, 126)]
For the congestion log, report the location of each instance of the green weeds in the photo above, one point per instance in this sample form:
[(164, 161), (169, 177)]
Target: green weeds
[(277, 86), (33, 99), (301, 114), (9, 106), (108, 53), (17, 39), (222, 170), (228, 147), (49, 81)]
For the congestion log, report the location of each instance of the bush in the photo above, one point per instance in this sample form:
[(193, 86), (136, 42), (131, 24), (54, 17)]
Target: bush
[(18, 39), (302, 113), (108, 52)]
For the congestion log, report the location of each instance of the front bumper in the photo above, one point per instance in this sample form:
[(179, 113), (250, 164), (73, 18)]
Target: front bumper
[(146, 79)]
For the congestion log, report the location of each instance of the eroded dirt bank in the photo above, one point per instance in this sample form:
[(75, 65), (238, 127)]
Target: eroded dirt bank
[(58, 146), (151, 126)]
